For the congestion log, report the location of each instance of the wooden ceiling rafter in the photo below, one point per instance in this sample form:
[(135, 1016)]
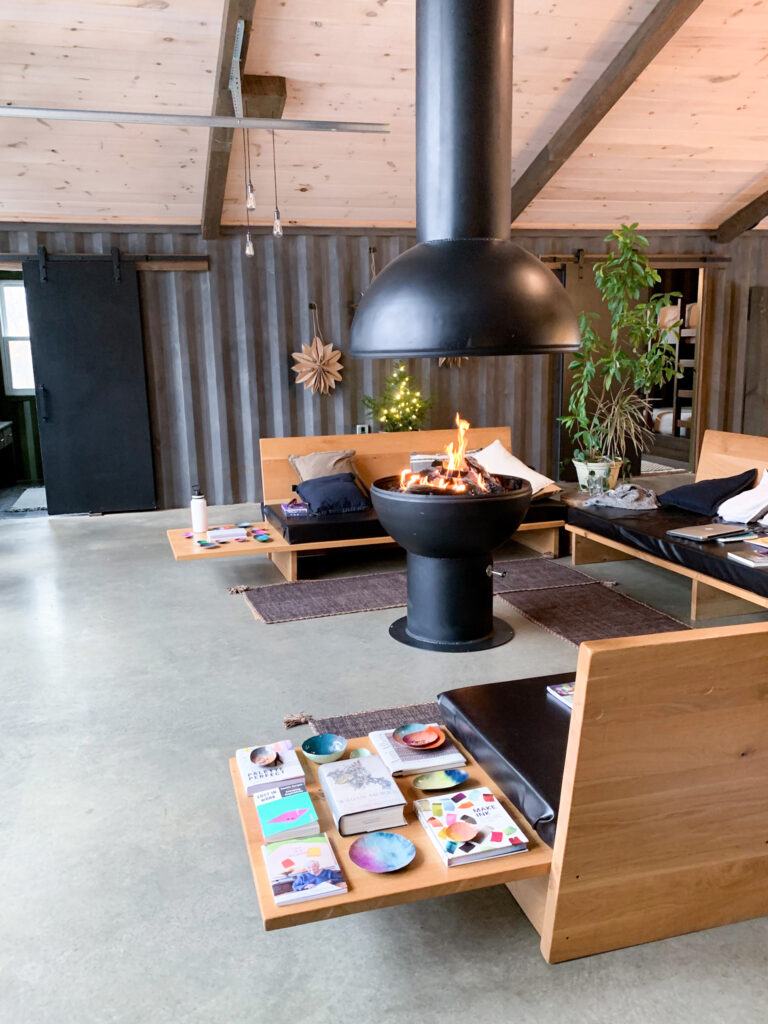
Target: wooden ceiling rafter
[(664, 21), (745, 219), (220, 139)]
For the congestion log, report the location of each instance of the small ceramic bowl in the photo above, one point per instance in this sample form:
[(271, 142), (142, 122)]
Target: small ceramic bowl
[(360, 752), (324, 748)]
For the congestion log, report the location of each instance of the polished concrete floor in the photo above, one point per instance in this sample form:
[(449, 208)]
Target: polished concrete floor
[(126, 682)]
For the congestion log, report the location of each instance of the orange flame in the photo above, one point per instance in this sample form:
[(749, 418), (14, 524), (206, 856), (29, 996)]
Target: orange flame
[(447, 478)]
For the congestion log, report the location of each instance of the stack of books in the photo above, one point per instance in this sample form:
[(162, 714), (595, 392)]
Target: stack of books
[(294, 507), (563, 692), (299, 858), (402, 760), (361, 795), (497, 834)]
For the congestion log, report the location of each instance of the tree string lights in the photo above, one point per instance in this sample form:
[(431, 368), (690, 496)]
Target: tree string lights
[(401, 406)]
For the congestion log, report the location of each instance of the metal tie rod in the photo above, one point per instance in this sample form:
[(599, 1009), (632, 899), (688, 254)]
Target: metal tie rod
[(192, 120)]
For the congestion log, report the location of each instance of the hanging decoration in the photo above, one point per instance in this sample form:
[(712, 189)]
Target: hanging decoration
[(318, 366), (457, 361)]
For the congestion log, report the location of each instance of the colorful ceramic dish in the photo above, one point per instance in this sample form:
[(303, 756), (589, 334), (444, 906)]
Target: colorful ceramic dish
[(324, 748), (360, 752), (441, 780), (427, 739), (382, 851), (265, 757), (409, 727)]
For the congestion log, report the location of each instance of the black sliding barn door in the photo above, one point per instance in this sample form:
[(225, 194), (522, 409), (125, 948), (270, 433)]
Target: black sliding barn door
[(90, 385)]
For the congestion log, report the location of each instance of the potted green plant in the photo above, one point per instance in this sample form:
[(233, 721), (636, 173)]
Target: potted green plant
[(608, 406)]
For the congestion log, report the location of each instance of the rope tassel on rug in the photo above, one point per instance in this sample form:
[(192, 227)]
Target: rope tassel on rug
[(241, 588), (291, 721)]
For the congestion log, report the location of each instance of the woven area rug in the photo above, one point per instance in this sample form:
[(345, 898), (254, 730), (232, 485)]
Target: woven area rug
[(288, 602), (590, 613), (385, 718), (33, 499)]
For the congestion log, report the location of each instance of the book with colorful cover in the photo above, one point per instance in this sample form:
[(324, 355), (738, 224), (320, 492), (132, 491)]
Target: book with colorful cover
[(755, 557), (287, 788), (289, 817), (256, 778), (362, 795), (402, 760), (563, 692), (498, 835), (295, 508), (302, 869)]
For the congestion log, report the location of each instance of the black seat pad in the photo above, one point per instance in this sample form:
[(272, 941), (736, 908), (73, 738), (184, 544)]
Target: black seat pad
[(518, 734), (647, 531), (312, 529)]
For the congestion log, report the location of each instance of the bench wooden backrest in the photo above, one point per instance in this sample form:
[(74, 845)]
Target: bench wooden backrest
[(376, 455), (725, 454), (663, 820)]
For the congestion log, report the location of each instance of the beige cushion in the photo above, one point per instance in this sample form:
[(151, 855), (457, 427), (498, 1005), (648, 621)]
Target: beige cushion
[(496, 459), (309, 467)]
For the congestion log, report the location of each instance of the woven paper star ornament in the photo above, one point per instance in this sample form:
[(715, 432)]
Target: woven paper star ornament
[(318, 366), (452, 360)]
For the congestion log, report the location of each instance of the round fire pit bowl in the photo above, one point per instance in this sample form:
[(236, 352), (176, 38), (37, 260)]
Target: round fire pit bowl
[(449, 539)]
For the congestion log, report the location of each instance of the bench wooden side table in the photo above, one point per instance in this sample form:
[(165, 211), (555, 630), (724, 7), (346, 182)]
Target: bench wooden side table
[(425, 876)]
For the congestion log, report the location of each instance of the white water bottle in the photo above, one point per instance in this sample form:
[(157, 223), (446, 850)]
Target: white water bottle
[(199, 509)]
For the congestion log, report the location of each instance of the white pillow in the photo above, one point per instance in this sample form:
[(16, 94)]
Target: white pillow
[(747, 506), (496, 459)]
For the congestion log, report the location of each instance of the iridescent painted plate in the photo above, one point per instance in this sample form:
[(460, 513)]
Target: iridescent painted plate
[(441, 780), (416, 744), (403, 730), (382, 851)]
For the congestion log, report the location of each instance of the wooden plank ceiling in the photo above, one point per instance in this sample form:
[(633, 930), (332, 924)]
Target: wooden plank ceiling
[(686, 146), (144, 55)]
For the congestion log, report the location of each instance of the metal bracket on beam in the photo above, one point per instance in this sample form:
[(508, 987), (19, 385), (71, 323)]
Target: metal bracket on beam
[(235, 83), (580, 263), (42, 256), (116, 264)]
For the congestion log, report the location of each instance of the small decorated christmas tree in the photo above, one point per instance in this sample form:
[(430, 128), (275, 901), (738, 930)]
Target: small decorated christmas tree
[(401, 406)]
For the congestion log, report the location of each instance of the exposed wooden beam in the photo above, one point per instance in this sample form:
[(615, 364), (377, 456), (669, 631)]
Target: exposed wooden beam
[(744, 219), (220, 139), (634, 57)]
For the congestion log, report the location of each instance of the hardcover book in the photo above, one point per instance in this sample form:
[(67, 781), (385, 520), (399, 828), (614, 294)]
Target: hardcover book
[(256, 778), (289, 817), (563, 692), (303, 869), (362, 795), (288, 788), (758, 559), (402, 760), (498, 834)]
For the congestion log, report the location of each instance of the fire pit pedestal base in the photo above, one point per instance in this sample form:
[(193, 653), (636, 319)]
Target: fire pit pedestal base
[(502, 632), (450, 605)]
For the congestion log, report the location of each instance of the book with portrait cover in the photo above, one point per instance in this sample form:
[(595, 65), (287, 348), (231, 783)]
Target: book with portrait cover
[(303, 869)]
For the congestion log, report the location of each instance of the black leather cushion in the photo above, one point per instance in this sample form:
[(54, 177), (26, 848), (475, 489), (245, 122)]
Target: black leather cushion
[(313, 529), (518, 734), (332, 495), (647, 531), (706, 496)]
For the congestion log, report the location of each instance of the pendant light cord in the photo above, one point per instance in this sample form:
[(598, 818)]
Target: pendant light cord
[(246, 175), (274, 166)]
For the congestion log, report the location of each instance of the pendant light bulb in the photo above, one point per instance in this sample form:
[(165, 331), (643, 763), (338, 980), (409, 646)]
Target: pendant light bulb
[(277, 227), (248, 244), (250, 197)]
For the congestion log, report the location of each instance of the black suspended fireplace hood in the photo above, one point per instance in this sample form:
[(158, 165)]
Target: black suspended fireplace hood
[(465, 289)]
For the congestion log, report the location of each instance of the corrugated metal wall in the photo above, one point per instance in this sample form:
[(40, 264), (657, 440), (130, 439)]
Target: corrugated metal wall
[(218, 347)]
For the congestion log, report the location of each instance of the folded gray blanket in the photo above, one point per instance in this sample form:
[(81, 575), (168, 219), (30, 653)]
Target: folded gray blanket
[(630, 496)]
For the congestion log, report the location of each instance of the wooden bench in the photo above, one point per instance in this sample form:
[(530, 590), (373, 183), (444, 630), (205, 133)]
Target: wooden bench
[(663, 820), (722, 454), (377, 455)]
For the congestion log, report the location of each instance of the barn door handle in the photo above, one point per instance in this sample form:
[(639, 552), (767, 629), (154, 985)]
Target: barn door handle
[(42, 402)]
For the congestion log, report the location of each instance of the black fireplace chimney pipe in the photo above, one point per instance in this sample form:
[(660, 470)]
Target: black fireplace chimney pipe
[(465, 289)]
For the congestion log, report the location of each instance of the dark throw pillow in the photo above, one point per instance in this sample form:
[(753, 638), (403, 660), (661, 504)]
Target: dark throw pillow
[(706, 496), (330, 495)]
